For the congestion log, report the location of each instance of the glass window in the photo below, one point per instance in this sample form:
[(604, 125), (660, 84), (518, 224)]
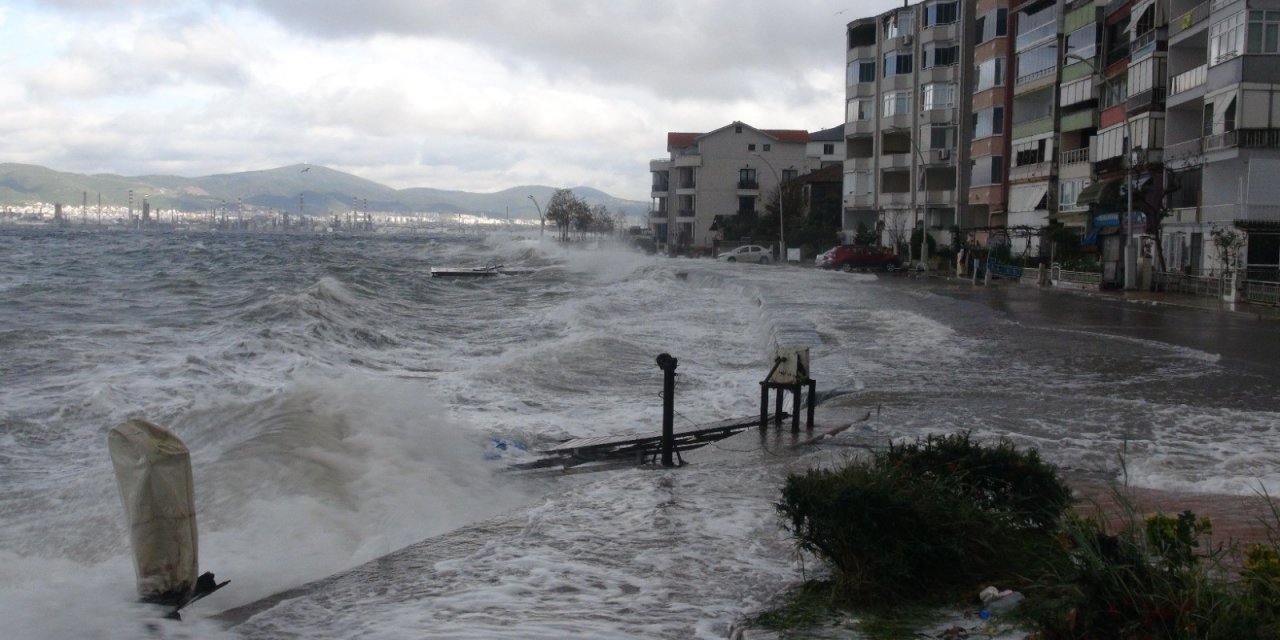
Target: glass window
[(897, 24), (936, 56), (988, 122), (937, 95), (1224, 38), (897, 103), (1069, 190), (859, 109), (942, 137), (991, 25), (940, 13), (896, 64), (1264, 32), (1083, 42), (859, 71), (987, 170), (1037, 63), (990, 74)]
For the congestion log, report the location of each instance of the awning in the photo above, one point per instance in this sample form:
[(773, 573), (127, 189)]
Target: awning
[(1101, 191), (1027, 197)]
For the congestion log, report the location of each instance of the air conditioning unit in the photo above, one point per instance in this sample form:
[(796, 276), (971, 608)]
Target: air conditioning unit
[(944, 154), (906, 39)]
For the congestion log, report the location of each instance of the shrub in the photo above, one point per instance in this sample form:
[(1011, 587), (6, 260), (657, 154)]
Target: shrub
[(926, 521)]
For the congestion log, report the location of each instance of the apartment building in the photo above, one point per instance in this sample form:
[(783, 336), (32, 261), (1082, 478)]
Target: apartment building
[(907, 118), (1034, 140), (726, 172), (1223, 133), (991, 117)]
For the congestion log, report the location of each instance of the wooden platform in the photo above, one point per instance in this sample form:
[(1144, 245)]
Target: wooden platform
[(612, 452), (477, 272)]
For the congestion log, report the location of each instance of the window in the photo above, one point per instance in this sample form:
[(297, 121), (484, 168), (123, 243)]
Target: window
[(1114, 91), (940, 13), (987, 170), (898, 24), (828, 149), (1224, 38), (897, 103), (896, 64), (859, 109), (1029, 152), (1037, 63), (1264, 32), (1146, 75), (747, 178), (1068, 191), (1083, 42), (942, 137), (937, 95), (767, 147), (988, 122), (1036, 25), (990, 73), (746, 204), (859, 71), (737, 129), (858, 183), (936, 56), (789, 174), (751, 147), (991, 25)]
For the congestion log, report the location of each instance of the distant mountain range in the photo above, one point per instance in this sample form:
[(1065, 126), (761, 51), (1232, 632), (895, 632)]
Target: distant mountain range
[(323, 190)]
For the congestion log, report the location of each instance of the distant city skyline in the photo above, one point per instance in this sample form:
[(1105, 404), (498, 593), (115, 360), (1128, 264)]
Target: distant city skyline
[(477, 96)]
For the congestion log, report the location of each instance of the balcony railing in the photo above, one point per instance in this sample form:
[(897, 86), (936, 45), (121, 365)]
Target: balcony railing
[(1034, 36), (1153, 97), (685, 213), (1035, 75), (1221, 140), (748, 184), (1188, 80), (1192, 147), (1116, 54), (659, 187), (688, 184), (1189, 19), (1143, 44), (658, 215), (1075, 156)]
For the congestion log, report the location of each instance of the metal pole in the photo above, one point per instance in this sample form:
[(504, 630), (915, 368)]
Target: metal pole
[(541, 219), (782, 236), (668, 366)]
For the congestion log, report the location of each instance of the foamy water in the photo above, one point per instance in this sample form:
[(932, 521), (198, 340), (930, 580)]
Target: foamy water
[(339, 405)]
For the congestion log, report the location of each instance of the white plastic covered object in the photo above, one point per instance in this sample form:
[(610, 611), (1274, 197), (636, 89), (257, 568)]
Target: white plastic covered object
[(153, 472)]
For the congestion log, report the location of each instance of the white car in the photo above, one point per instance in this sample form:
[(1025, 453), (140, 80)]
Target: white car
[(747, 253)]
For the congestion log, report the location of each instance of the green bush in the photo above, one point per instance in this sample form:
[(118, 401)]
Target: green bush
[(927, 521)]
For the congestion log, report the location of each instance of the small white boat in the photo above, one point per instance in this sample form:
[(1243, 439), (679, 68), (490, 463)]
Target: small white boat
[(477, 272)]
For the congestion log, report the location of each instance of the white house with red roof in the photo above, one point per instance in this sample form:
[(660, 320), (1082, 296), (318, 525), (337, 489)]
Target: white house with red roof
[(721, 173)]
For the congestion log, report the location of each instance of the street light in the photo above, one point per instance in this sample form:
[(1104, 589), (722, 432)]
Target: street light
[(541, 219), (782, 238), (1130, 159)]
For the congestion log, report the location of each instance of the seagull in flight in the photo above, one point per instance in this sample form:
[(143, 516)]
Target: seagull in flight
[(305, 169)]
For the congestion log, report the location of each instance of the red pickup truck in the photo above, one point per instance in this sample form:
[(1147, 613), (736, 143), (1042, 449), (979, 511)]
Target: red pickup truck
[(858, 256)]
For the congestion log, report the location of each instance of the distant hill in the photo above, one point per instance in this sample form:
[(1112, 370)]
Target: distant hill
[(323, 190)]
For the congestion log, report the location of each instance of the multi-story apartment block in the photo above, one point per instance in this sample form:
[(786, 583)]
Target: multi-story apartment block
[(1223, 132), (1082, 55), (991, 118), (726, 172), (906, 120), (1035, 27)]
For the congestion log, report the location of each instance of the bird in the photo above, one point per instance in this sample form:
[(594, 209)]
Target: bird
[(305, 169)]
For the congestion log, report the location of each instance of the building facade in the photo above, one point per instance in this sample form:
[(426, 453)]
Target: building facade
[(907, 115), (724, 173)]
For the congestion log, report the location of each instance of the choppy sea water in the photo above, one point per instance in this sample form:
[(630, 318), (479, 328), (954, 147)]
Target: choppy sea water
[(340, 405)]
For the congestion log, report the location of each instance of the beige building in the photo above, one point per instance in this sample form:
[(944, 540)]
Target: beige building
[(723, 173)]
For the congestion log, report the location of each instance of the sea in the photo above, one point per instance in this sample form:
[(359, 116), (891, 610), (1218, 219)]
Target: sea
[(340, 405)]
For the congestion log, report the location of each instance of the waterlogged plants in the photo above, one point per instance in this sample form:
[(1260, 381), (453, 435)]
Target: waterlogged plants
[(928, 521), (1159, 577)]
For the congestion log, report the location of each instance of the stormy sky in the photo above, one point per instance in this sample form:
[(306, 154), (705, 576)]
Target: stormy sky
[(477, 95)]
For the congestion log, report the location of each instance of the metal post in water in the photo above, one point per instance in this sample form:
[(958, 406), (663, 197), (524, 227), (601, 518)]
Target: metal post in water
[(668, 366)]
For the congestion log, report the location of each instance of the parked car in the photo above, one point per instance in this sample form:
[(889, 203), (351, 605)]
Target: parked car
[(858, 256), (746, 253)]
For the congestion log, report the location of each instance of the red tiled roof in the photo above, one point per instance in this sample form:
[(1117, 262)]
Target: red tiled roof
[(788, 135), (675, 139)]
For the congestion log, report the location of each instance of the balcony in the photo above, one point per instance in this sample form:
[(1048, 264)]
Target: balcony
[(1074, 156), (1035, 75), (1035, 171), (1188, 80), (1186, 148), (895, 197), (748, 184), (940, 197), (1037, 35), (1189, 19), (1143, 44), (1150, 100), (657, 215), (685, 213), (1244, 138), (687, 160), (1032, 128), (1085, 119), (688, 184), (1116, 54), (661, 187)]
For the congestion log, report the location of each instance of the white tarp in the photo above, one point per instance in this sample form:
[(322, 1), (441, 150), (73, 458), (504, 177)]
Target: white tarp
[(153, 472)]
